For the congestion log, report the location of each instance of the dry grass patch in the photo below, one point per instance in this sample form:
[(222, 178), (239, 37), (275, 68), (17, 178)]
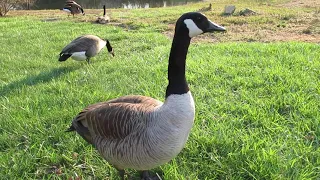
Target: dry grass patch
[(289, 21)]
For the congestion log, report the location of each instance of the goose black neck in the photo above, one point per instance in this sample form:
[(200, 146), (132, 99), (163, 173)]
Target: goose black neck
[(177, 64)]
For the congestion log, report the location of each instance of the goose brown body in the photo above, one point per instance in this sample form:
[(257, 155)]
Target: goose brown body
[(84, 47), (89, 43), (137, 132)]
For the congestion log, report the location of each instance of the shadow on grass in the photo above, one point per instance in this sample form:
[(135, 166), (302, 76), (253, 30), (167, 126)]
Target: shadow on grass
[(42, 77)]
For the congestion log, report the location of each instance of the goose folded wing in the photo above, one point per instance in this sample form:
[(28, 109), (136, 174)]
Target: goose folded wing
[(114, 119), (137, 99), (78, 45), (73, 3)]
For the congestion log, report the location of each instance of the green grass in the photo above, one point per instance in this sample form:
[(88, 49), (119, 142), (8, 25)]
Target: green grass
[(257, 104)]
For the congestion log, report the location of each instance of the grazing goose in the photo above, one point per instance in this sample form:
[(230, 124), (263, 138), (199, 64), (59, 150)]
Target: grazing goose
[(73, 8), (84, 47), (103, 19), (140, 132)]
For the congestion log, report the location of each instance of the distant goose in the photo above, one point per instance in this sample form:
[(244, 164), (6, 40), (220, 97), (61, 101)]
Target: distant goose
[(140, 132), (103, 19), (206, 8), (73, 8), (84, 47)]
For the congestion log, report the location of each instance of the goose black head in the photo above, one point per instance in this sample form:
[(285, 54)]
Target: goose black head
[(82, 11), (109, 47), (196, 23)]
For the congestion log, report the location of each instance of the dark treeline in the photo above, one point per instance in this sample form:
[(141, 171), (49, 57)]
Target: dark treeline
[(93, 4)]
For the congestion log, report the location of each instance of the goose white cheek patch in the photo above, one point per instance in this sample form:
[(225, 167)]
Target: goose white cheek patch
[(193, 28)]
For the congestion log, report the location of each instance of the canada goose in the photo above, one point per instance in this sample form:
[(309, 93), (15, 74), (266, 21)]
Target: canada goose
[(103, 19), (140, 132), (73, 8), (206, 8), (84, 47)]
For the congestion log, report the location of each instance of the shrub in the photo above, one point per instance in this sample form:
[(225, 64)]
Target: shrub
[(7, 5)]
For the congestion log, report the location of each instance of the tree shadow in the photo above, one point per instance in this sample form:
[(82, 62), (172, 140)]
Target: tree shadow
[(42, 77)]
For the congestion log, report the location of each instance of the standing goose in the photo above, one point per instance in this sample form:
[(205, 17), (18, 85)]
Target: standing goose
[(103, 19), (73, 8), (140, 132), (84, 47)]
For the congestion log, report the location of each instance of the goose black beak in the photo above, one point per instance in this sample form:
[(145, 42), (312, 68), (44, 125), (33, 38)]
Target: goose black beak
[(112, 53), (215, 27)]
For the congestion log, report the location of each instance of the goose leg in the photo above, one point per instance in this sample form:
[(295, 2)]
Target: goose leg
[(146, 176), (88, 60), (121, 173)]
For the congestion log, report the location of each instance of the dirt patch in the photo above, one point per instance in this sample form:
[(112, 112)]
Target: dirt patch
[(50, 19), (292, 21), (301, 3), (296, 20), (302, 32)]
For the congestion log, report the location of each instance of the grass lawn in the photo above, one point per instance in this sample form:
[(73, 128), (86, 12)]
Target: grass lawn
[(257, 104)]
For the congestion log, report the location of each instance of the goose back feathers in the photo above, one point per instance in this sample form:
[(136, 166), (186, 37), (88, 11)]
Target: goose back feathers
[(140, 132), (84, 47)]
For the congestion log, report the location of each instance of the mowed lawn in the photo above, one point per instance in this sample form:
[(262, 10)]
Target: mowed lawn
[(257, 104)]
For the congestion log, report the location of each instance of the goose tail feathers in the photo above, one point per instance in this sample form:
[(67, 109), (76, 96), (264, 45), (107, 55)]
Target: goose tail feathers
[(70, 129), (79, 125)]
